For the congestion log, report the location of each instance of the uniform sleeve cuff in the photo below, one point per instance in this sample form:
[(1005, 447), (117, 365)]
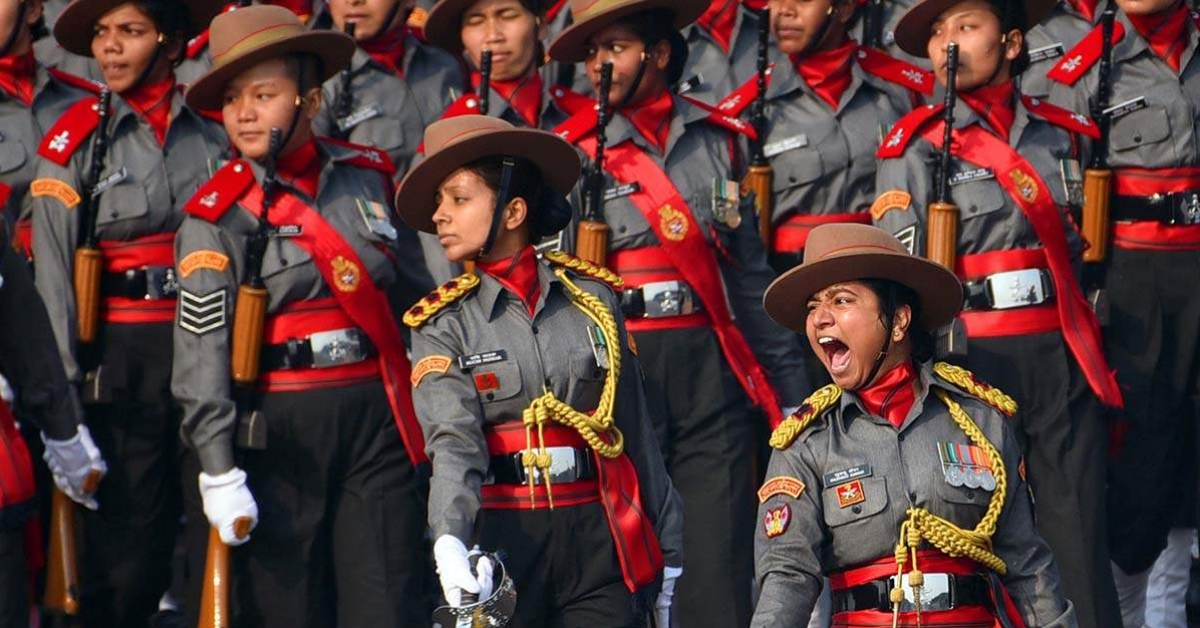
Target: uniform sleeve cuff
[(459, 529), (216, 457)]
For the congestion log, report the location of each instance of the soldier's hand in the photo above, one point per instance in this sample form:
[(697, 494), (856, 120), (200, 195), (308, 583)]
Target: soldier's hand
[(662, 605), (76, 465), (227, 499), (455, 574)]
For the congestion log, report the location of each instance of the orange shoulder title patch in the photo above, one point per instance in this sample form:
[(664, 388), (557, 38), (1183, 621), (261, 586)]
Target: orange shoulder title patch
[(208, 260), (894, 199), (780, 485), (429, 364)]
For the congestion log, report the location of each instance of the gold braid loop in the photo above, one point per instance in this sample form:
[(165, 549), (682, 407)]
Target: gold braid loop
[(584, 267), (794, 425), (443, 295), (597, 429), (965, 380)]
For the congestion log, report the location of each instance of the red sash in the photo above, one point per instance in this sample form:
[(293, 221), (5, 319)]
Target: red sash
[(1029, 191), (680, 236), (363, 301)]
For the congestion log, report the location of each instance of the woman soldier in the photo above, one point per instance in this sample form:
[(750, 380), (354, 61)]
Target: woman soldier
[(130, 199), (694, 264), (331, 479), (1014, 176), (900, 468), (529, 393)]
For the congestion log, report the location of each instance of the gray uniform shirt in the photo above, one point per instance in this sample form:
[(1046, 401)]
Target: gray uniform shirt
[(1049, 41), (898, 469), (550, 352), (711, 72)]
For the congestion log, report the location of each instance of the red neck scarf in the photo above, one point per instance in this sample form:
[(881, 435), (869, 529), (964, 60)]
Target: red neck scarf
[(518, 274), (302, 8), (153, 104), (827, 72), (388, 49), (1165, 33), (892, 396), (301, 168), (1086, 8), (524, 95), (652, 119), (718, 20), (16, 76), (996, 104)]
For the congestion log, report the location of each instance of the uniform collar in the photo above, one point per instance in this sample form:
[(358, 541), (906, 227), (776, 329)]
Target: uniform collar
[(18, 77), (1086, 9), (785, 80), (1165, 34), (1134, 44), (389, 50), (828, 73), (850, 407), (493, 296), (683, 113), (996, 105)]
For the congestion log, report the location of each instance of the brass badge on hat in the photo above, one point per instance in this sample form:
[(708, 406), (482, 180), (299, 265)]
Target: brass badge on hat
[(1025, 184), (345, 274), (673, 222)]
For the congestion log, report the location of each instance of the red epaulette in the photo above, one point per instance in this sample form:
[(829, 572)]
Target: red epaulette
[(466, 104), (553, 11), (76, 81), (570, 102), (5, 192), (197, 45), (906, 129), (737, 125), (71, 131), (1078, 60), (737, 100), (216, 196), (578, 126), (366, 157), (894, 70), (1060, 117)]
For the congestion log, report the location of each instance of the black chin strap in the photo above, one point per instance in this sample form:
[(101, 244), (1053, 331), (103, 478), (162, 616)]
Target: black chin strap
[(821, 34), (145, 73), (501, 202), (637, 82), (16, 29)]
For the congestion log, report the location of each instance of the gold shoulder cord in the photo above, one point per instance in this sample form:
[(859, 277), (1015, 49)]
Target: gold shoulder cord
[(597, 429)]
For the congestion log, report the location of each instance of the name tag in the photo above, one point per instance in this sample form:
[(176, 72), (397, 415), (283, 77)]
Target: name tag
[(1119, 111), (784, 145), (107, 182), (845, 475), (467, 362), (621, 190), (690, 84), (967, 176), (358, 117), (286, 231), (1053, 51)]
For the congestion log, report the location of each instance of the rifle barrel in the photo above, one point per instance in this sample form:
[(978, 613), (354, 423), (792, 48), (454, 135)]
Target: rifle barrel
[(485, 81), (1103, 91), (346, 96), (943, 190), (595, 190)]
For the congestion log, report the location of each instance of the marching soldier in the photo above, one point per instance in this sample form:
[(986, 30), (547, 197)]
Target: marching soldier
[(722, 47), (530, 358), (316, 444), (693, 262), (1068, 22), (106, 200), (902, 481), (1148, 101), (1009, 181)]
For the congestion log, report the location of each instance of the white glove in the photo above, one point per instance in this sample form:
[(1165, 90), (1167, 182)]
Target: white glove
[(227, 499), (662, 605), (454, 571), (71, 461), (6, 390)]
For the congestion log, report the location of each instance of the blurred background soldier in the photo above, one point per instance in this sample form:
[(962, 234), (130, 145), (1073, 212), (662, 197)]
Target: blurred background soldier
[(1050, 40)]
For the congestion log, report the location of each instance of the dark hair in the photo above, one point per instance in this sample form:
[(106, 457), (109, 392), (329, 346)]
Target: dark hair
[(657, 25), (306, 68), (172, 19), (549, 211), (892, 295), (1013, 17)]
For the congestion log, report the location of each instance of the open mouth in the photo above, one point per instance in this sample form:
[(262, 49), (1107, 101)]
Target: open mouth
[(837, 354)]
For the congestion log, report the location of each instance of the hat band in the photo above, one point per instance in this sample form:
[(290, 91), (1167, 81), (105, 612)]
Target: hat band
[(859, 247), (462, 137), (255, 40)]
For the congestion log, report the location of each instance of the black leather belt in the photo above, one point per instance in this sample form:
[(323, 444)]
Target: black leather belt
[(1174, 208), (571, 464), (660, 299), (1008, 290), (321, 350), (149, 283), (941, 592)]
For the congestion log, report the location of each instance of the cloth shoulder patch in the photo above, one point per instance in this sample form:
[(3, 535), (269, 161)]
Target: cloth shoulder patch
[(1061, 117), (366, 157), (895, 71), (780, 485), (70, 131), (578, 126), (202, 313), (570, 102), (203, 260), (429, 364), (776, 521), (56, 189), (892, 199), (586, 268), (741, 98), (717, 118), (1078, 60), (436, 301), (906, 129), (216, 196), (76, 81)]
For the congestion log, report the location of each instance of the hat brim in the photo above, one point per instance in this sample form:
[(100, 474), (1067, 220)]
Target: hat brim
[(332, 48), (556, 159), (571, 45), (939, 291), (913, 29), (443, 24), (74, 27)]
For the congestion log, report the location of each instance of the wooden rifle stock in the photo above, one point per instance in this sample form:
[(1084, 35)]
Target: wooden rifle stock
[(941, 244), (214, 600), (250, 309), (591, 236), (759, 181), (62, 569), (1097, 178), (89, 259)]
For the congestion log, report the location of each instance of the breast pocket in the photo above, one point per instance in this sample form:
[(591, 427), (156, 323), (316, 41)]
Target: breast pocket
[(283, 256), (1144, 128), (796, 167), (966, 505), (12, 153), (843, 507), (587, 380), (124, 201), (978, 198), (499, 386)]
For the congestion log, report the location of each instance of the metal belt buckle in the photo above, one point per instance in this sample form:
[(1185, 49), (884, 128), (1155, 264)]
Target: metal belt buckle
[(161, 283), (337, 347), (937, 594), (1185, 208), (563, 466), (1016, 288), (668, 298)]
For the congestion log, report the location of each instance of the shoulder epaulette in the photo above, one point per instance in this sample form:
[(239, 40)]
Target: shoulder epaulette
[(219, 193), (71, 131), (584, 267), (1078, 60), (894, 70), (466, 104), (197, 45), (737, 125), (816, 404), (76, 81), (442, 296), (570, 102), (578, 126), (737, 100), (1061, 117), (552, 13), (363, 156), (901, 135), (966, 381)]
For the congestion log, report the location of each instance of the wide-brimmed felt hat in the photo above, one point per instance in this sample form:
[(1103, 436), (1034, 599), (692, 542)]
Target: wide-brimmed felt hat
[(74, 27), (593, 16), (837, 253), (913, 29), (455, 142), (243, 38)]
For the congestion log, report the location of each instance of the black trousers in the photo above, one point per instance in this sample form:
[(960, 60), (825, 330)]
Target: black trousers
[(1153, 341), (340, 537), (125, 552), (14, 583), (1063, 431), (706, 428), (564, 565)]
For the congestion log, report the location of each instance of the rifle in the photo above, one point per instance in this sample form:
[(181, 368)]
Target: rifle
[(214, 601), (759, 179), (873, 24), (1097, 179), (485, 81), (89, 259), (942, 237), (592, 234), (346, 96), (61, 597)]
